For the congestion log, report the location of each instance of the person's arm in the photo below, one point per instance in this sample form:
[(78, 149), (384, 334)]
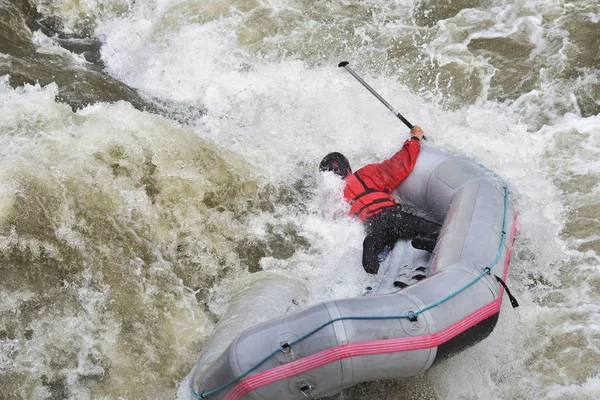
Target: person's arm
[(395, 170)]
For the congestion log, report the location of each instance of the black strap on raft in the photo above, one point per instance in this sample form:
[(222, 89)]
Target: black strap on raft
[(513, 301)]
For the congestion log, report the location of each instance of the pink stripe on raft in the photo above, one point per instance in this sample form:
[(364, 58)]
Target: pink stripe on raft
[(325, 357)]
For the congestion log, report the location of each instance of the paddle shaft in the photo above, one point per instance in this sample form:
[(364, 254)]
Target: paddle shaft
[(374, 93)]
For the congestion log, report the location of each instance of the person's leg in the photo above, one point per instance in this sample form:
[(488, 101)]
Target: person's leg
[(380, 234), (423, 232), (372, 246), (412, 226), (392, 224), (423, 243)]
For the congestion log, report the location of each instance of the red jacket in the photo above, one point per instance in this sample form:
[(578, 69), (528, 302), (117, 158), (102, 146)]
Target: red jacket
[(369, 189)]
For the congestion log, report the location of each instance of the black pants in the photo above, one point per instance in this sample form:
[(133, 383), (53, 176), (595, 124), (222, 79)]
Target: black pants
[(390, 225)]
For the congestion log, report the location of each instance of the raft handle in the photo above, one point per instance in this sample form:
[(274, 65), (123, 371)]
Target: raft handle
[(286, 348), (306, 389)]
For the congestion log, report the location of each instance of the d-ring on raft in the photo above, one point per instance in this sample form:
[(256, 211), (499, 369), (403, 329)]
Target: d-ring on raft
[(320, 350)]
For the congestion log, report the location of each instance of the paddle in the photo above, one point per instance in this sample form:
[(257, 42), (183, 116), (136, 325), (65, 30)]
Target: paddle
[(381, 99)]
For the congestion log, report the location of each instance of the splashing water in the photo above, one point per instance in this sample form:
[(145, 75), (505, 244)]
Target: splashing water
[(125, 235)]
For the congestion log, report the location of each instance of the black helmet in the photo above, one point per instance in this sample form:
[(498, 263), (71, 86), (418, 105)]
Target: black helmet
[(337, 163)]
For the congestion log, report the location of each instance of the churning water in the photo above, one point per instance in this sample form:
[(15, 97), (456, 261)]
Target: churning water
[(154, 154)]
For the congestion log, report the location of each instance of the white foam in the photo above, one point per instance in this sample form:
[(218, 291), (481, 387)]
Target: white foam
[(75, 14), (283, 114)]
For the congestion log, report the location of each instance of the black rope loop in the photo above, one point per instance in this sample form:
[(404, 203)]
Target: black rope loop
[(513, 301)]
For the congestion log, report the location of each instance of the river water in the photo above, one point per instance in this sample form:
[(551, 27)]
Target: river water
[(155, 153)]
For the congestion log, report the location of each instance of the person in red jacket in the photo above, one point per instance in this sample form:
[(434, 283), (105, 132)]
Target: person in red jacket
[(368, 190)]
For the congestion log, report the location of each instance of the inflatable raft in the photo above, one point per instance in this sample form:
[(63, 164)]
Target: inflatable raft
[(421, 308)]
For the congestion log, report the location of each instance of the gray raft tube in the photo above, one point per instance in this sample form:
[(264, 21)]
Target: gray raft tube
[(320, 350)]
